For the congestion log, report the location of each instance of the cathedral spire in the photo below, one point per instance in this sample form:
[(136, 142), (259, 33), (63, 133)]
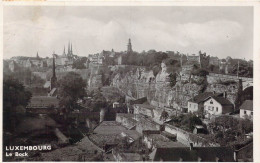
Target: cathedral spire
[(69, 49), (64, 53)]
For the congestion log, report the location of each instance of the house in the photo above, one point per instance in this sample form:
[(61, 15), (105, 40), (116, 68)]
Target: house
[(199, 129), (246, 109), (156, 139), (116, 104), (214, 106), (189, 154), (43, 104), (196, 103)]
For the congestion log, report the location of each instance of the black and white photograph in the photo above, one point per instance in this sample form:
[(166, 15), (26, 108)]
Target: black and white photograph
[(128, 83)]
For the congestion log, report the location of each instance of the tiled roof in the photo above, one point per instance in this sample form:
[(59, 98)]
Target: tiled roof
[(43, 102), (208, 154), (247, 105), (109, 127), (201, 97), (222, 100)]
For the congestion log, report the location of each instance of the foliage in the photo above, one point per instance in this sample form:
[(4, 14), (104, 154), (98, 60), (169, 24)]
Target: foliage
[(187, 122), (80, 63), (173, 79), (96, 102), (150, 58), (200, 72), (244, 68), (71, 89), (164, 115), (15, 99), (226, 129), (190, 121)]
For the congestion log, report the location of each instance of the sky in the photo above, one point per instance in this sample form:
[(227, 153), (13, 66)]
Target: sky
[(218, 31)]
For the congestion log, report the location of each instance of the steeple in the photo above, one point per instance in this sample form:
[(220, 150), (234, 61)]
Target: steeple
[(64, 53), (37, 56), (129, 46), (53, 78), (69, 49)]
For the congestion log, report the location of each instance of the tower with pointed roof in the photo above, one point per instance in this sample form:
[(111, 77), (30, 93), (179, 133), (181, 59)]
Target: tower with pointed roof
[(68, 49), (129, 46), (37, 56), (53, 78), (64, 53)]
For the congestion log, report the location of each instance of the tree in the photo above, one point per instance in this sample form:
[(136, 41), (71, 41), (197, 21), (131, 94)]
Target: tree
[(164, 115), (173, 79), (71, 89), (15, 99), (80, 63), (190, 121)]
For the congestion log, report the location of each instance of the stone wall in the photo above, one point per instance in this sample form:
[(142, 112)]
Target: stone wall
[(186, 137), (142, 83)]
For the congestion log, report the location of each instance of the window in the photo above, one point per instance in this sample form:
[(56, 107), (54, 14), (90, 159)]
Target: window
[(217, 109), (251, 113), (245, 112), (211, 102), (212, 108), (190, 105)]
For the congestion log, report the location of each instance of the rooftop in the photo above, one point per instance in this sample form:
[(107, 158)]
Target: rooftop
[(247, 105), (208, 154), (201, 97), (43, 101), (222, 100), (163, 142), (109, 127)]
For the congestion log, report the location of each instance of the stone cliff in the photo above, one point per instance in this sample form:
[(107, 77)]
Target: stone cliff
[(143, 83)]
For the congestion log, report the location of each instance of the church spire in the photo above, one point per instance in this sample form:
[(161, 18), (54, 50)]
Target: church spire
[(129, 46), (53, 78), (69, 49), (37, 56), (64, 53)]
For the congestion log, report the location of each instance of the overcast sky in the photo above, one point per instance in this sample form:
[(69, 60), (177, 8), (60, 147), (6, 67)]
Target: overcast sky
[(218, 31)]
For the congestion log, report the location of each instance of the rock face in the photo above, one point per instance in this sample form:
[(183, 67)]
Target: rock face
[(143, 83)]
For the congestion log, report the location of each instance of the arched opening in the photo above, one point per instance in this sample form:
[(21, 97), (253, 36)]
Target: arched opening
[(247, 93)]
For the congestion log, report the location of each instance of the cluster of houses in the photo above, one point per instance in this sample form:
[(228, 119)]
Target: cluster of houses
[(210, 104)]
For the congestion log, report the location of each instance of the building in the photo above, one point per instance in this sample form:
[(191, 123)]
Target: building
[(53, 78), (215, 106), (246, 109), (126, 156), (65, 58), (190, 154), (196, 103), (43, 105), (129, 47)]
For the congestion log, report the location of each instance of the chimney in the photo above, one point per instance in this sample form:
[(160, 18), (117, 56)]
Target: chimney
[(225, 94), (191, 146)]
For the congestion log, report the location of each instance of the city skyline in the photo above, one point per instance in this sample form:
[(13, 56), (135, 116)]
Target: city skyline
[(226, 31)]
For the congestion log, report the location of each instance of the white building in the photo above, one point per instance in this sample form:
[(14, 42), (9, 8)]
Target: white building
[(246, 109), (215, 106)]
